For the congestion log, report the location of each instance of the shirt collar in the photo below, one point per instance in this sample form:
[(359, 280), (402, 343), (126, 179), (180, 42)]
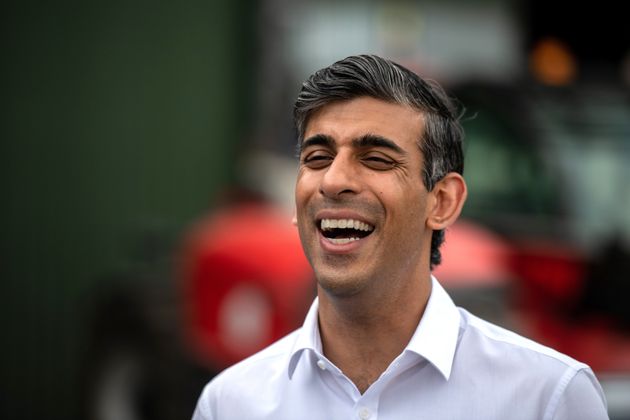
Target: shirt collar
[(435, 338), (308, 338)]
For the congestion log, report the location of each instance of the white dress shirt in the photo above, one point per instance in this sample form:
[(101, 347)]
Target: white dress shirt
[(456, 366)]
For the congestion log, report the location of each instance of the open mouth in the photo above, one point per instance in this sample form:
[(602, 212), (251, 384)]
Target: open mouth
[(343, 231)]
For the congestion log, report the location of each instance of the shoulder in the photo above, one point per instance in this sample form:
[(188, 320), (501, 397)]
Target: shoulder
[(479, 331), (258, 375), (269, 361), (553, 381)]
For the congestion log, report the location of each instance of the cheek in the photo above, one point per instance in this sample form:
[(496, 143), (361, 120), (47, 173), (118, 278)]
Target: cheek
[(411, 209), (305, 191), (301, 204), (301, 190)]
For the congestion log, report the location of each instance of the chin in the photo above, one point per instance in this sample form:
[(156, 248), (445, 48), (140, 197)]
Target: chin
[(340, 286)]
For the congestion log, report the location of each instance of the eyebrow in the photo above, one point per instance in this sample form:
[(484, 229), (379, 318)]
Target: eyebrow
[(363, 142), (316, 140), (374, 140)]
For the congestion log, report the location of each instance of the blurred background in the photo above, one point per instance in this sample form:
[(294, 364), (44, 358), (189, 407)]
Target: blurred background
[(147, 167)]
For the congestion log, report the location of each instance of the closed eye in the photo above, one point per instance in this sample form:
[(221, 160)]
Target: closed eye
[(378, 163), (316, 160)]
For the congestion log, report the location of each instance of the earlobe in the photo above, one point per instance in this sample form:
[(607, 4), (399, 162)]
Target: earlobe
[(294, 221), (449, 195)]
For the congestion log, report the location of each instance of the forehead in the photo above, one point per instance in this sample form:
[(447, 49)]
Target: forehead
[(350, 119)]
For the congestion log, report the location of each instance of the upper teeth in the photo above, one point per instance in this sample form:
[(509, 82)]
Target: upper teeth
[(345, 224)]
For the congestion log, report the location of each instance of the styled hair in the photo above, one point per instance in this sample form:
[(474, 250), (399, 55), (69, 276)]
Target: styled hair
[(376, 77)]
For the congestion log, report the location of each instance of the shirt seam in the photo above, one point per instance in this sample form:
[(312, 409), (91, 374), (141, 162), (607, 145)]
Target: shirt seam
[(561, 386)]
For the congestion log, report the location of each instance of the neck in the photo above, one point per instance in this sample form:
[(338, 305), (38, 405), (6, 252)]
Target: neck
[(362, 336)]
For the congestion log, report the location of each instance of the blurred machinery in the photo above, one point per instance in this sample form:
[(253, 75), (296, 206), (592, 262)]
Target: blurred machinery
[(241, 282), (247, 282)]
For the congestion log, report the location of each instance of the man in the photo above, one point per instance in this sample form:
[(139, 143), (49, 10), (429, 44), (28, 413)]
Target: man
[(380, 178)]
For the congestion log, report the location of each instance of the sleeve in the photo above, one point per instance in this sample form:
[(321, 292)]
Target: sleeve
[(581, 399)]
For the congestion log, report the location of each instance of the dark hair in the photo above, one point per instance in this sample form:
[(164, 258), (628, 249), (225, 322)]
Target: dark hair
[(370, 75)]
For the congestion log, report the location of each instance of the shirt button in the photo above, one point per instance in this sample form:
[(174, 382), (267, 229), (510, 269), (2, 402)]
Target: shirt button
[(364, 414), (321, 364)]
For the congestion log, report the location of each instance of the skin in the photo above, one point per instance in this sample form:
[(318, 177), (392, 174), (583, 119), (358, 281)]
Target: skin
[(360, 160)]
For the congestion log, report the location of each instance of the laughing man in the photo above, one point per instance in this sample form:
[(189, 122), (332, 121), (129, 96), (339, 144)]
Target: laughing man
[(379, 180)]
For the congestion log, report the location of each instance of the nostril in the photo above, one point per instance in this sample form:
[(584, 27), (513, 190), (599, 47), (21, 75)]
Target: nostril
[(335, 192)]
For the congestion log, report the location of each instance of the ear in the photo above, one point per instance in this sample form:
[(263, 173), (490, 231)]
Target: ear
[(446, 201), (294, 218)]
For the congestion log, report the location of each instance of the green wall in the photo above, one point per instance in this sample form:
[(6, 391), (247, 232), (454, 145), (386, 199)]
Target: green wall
[(119, 116)]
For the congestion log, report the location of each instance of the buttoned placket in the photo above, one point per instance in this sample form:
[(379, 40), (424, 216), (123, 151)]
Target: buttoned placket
[(366, 405), (366, 408)]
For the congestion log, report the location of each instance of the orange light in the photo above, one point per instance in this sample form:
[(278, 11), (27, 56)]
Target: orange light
[(552, 62)]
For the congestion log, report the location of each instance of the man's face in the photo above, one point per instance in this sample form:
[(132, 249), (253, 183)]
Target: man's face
[(361, 204)]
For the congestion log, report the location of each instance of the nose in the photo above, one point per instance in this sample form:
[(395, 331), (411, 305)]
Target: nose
[(340, 178)]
